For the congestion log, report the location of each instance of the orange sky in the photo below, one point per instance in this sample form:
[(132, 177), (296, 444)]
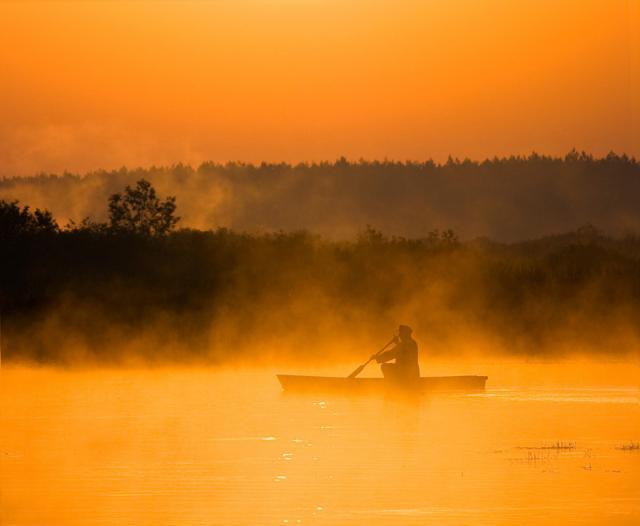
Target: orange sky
[(86, 85)]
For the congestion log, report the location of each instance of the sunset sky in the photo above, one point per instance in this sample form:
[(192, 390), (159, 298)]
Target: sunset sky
[(89, 85)]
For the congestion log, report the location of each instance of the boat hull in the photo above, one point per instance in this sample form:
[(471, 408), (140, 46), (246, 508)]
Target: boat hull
[(423, 384)]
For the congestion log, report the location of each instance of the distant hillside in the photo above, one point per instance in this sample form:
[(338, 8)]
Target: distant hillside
[(507, 199)]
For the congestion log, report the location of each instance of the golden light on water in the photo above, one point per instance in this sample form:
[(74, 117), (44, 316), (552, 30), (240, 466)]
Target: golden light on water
[(190, 446)]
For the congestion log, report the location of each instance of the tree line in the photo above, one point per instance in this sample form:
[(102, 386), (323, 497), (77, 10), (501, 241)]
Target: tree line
[(507, 199)]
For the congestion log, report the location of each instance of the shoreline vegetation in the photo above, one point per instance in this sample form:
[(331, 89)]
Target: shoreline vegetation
[(137, 286)]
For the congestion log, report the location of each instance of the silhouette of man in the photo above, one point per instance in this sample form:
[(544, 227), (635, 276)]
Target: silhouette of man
[(405, 354)]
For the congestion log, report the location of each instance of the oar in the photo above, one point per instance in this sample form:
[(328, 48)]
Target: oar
[(360, 368)]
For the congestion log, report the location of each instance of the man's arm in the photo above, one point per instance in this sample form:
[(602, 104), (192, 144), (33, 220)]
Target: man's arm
[(391, 354)]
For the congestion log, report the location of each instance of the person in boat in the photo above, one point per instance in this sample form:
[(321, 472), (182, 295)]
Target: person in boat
[(405, 354)]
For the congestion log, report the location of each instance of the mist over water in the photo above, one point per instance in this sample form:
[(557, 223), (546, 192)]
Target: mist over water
[(85, 293), (163, 407), (547, 443), (298, 180)]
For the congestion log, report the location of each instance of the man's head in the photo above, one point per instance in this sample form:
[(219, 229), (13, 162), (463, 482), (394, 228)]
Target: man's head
[(404, 331)]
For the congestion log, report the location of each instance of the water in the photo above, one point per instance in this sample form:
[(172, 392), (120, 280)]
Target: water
[(201, 446)]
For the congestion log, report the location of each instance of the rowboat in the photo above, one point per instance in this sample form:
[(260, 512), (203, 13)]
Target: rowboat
[(298, 383)]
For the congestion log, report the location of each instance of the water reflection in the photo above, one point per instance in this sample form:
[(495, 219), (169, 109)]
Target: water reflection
[(186, 447)]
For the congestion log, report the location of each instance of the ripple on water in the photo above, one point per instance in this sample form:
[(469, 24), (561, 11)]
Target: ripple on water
[(565, 395)]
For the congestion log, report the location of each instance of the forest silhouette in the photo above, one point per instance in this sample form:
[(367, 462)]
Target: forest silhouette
[(137, 286), (506, 199)]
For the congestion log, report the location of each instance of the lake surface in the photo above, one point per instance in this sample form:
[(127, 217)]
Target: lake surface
[(546, 444)]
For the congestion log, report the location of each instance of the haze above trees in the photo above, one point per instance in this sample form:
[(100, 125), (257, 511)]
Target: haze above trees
[(504, 199)]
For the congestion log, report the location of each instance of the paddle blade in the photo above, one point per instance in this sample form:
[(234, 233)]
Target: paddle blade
[(357, 371)]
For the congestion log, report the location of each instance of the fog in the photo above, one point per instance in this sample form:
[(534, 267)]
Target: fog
[(509, 199), (275, 263), (216, 297), (138, 370)]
